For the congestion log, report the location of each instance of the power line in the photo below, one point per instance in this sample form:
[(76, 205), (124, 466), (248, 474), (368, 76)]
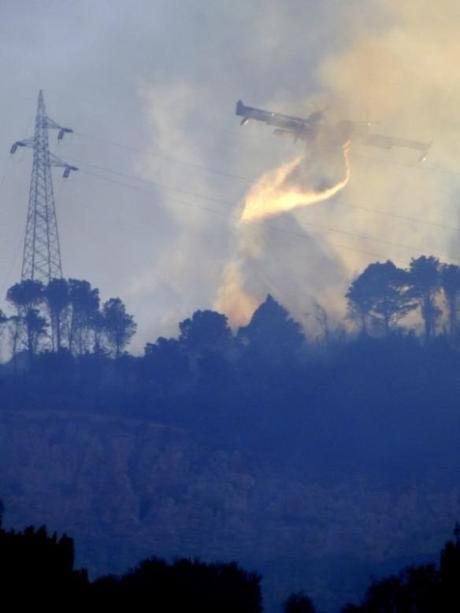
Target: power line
[(148, 191), (360, 236), (230, 203), (277, 229), (156, 184), (420, 167), (405, 218), (161, 153)]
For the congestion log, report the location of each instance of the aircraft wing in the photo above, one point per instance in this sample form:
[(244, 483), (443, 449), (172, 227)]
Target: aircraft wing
[(285, 123), (388, 142)]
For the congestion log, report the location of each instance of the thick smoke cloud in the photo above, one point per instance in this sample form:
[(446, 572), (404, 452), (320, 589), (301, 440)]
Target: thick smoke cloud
[(163, 78), (394, 68), (399, 72)]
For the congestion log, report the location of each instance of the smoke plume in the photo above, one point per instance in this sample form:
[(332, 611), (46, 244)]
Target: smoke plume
[(397, 71)]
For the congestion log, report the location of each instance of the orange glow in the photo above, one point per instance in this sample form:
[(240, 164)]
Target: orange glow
[(232, 299), (269, 197)]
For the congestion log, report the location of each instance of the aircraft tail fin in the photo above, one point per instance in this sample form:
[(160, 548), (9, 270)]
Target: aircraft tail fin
[(239, 108)]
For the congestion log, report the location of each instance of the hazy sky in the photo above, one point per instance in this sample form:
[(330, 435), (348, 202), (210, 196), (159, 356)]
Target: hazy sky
[(150, 87)]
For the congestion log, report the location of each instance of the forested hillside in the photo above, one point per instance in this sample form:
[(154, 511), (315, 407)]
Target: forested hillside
[(315, 460)]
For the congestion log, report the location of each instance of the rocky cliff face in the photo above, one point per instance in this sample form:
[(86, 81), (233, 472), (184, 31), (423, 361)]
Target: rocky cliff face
[(127, 489)]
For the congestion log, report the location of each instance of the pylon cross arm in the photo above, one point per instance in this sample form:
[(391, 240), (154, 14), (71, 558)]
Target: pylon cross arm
[(50, 123), (26, 142), (57, 162)]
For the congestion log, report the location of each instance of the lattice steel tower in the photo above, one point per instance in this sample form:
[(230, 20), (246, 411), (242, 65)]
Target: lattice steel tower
[(42, 252)]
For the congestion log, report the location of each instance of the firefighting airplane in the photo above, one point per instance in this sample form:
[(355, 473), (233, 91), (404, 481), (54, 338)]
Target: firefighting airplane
[(315, 129)]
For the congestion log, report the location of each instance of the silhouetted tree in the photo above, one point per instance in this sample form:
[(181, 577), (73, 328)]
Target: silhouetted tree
[(424, 284), (57, 297), (184, 585), (272, 333), (118, 325), (380, 294), (417, 589), (99, 330), (38, 567), (299, 603), (15, 328), (414, 590), (25, 296), (36, 326), (449, 574), (165, 362), (85, 316), (359, 303), (450, 282), (205, 331)]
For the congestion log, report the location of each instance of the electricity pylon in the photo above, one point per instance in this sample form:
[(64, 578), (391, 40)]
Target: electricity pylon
[(41, 259)]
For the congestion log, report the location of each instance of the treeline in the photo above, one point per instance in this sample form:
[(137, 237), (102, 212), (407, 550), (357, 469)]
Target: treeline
[(37, 571), (38, 568), (64, 314), (384, 294), (382, 401), (427, 588), (67, 314)]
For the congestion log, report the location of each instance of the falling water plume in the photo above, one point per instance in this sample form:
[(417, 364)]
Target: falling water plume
[(272, 195)]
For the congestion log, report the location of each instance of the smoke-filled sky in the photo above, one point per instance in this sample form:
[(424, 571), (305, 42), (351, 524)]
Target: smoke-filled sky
[(150, 90)]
